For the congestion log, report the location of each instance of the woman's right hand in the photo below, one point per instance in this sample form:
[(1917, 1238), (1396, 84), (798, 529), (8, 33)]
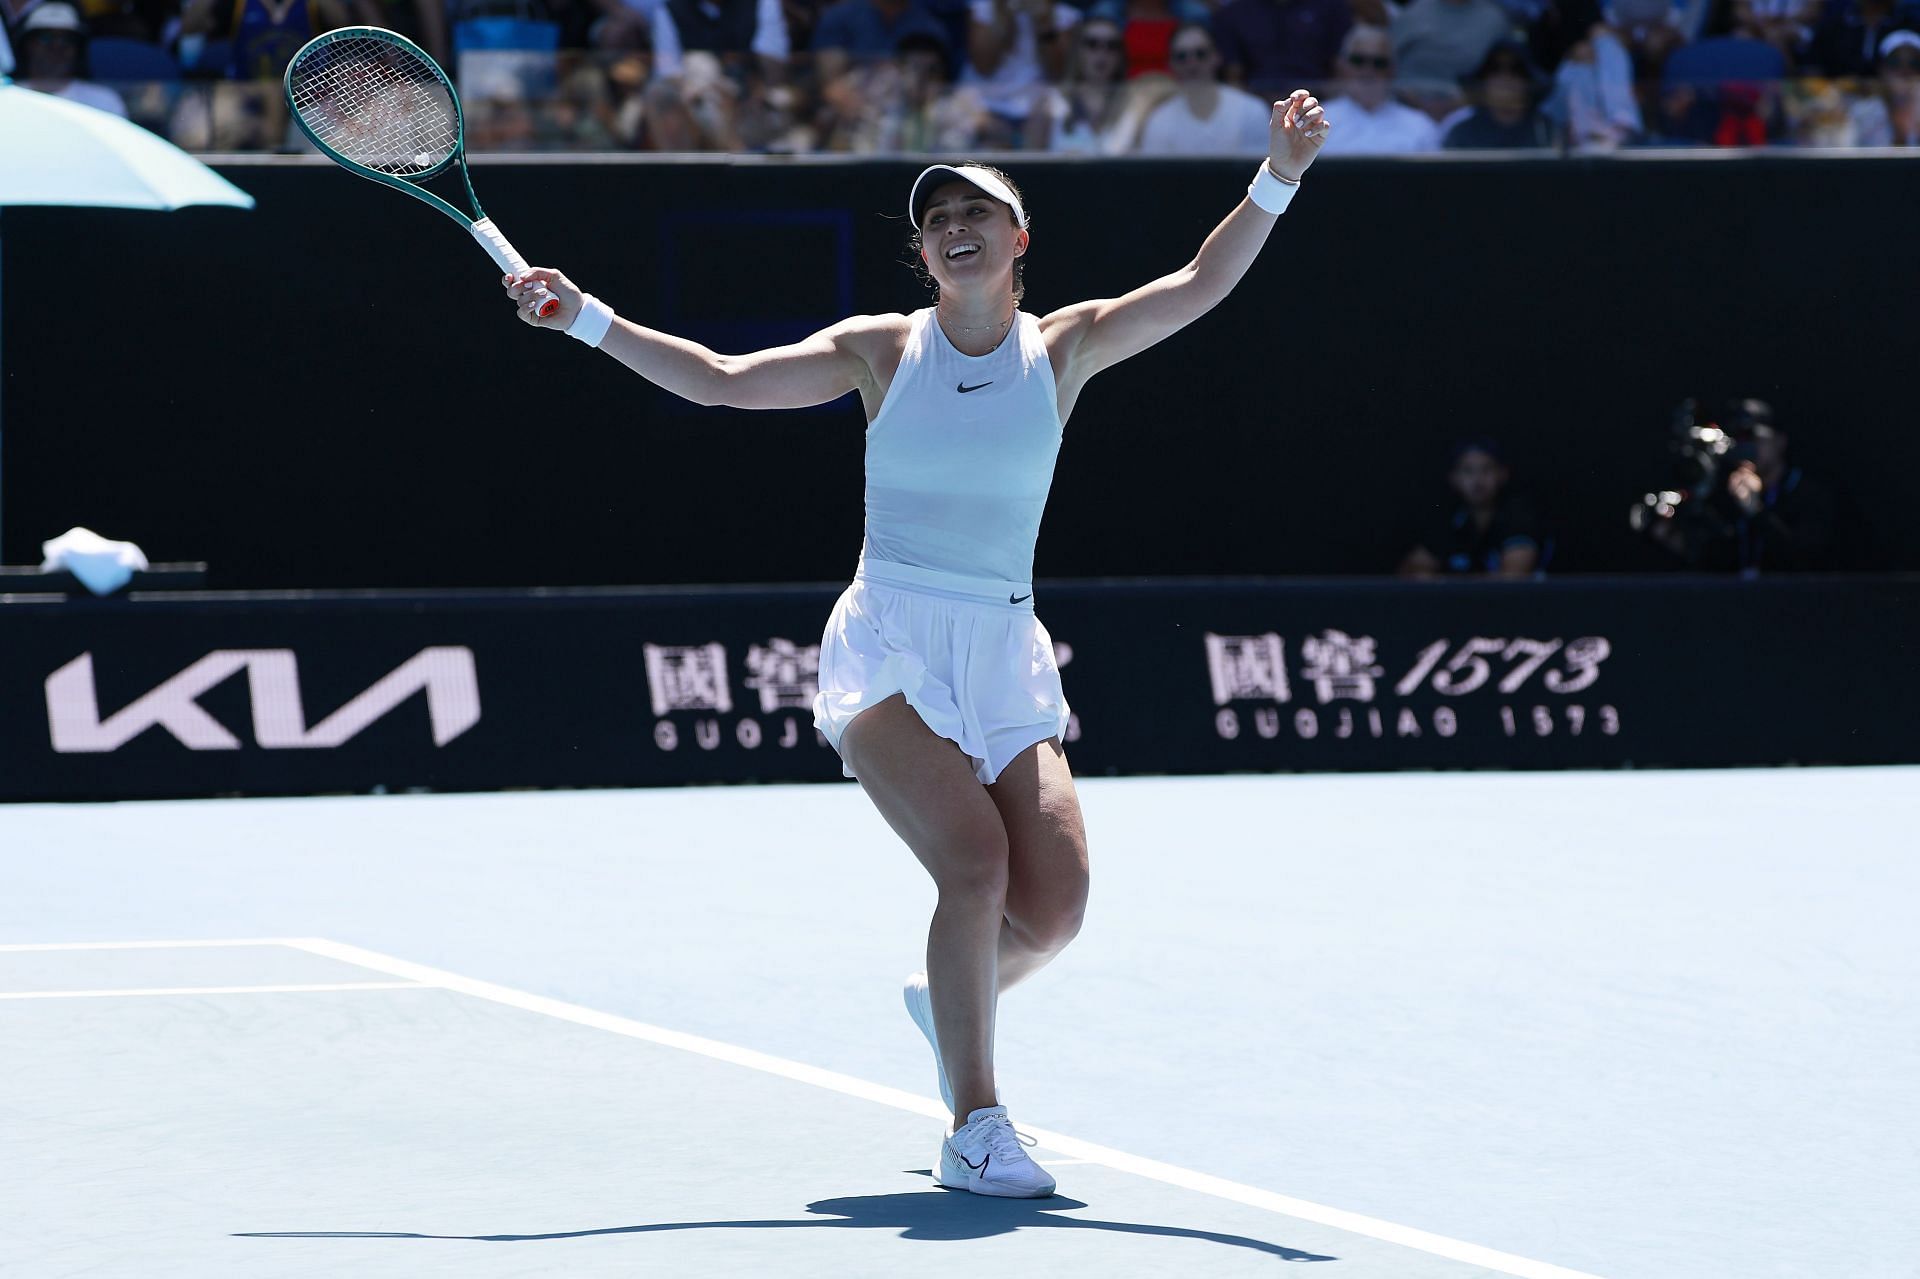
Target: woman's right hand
[(525, 289)]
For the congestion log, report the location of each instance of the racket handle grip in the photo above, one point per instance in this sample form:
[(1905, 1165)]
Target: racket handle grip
[(508, 259)]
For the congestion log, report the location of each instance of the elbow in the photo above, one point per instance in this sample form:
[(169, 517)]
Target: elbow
[(714, 387), (1206, 289), (1213, 281)]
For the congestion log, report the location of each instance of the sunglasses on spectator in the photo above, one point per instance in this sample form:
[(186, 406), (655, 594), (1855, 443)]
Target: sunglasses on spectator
[(1097, 43), (1376, 61), (1902, 62), (1193, 53)]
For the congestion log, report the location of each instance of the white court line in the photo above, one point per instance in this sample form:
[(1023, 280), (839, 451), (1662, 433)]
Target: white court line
[(1218, 1187), (308, 989), (23, 947)]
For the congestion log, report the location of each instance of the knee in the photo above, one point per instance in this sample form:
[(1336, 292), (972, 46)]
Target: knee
[(1047, 926), (973, 872)]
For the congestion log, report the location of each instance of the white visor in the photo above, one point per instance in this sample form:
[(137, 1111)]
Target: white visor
[(1899, 40), (924, 185)]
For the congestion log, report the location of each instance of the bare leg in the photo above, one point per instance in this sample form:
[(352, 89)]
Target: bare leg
[(924, 787), (1047, 874)]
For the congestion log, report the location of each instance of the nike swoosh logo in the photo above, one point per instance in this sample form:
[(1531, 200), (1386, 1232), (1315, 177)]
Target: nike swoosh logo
[(968, 1162), (1022, 600), (963, 388)]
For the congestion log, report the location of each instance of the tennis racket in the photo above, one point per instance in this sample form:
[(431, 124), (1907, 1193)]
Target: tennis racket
[(378, 106)]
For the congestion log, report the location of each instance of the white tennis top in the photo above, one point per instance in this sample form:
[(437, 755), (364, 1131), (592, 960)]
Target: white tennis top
[(960, 456)]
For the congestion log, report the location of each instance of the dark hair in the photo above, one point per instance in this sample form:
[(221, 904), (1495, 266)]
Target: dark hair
[(1184, 27), (1476, 444), (1505, 55), (918, 247)]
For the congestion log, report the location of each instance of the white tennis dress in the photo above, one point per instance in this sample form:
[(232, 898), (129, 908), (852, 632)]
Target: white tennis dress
[(959, 462)]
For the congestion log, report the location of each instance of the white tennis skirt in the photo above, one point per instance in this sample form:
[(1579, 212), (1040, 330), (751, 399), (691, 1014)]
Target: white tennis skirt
[(967, 652)]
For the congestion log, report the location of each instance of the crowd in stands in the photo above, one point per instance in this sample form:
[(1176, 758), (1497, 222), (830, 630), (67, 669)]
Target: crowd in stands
[(1093, 77)]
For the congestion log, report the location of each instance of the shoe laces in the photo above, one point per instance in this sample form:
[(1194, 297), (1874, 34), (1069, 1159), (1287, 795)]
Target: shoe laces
[(1002, 1138)]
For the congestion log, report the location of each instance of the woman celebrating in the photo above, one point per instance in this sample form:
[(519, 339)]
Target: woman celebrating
[(938, 686)]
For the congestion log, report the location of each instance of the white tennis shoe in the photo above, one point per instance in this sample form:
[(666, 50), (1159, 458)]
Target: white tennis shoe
[(920, 1008), (988, 1157)]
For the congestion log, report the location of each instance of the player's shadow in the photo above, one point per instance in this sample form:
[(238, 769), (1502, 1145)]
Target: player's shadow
[(936, 1214)]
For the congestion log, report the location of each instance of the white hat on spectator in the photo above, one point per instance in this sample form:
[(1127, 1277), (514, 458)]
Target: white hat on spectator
[(1899, 40), (53, 15)]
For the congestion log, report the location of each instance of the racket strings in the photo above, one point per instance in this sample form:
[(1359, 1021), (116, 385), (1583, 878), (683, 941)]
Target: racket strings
[(376, 105)]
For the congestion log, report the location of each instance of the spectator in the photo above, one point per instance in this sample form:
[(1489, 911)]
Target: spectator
[(1787, 25), (896, 104), (580, 115), (1593, 101), (1274, 46), (1891, 118), (863, 30), (1504, 116), (770, 119), (422, 21), (1097, 110), (844, 115), (1014, 48), (53, 57), (1078, 113), (1847, 41), (1367, 119), (1819, 113), (628, 75), (262, 36), (1561, 24), (501, 122), (1675, 119), (1205, 117), (1484, 531), (1727, 83), (1438, 43), (734, 31), (1764, 515), (1147, 27), (1649, 30), (227, 116), (694, 111), (623, 25)]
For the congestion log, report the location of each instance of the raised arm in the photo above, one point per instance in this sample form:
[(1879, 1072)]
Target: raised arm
[(1099, 334), (812, 371)]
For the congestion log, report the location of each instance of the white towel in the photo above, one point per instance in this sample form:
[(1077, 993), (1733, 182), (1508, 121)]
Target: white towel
[(102, 564)]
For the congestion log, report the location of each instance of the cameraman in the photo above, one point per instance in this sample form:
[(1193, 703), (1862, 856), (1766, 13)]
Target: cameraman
[(1763, 515)]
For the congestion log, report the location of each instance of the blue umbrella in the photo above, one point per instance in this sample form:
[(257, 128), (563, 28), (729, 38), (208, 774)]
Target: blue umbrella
[(60, 153)]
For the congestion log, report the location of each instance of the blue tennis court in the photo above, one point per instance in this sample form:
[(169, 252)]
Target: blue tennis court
[(1625, 1025)]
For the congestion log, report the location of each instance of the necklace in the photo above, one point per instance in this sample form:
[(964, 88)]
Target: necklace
[(999, 330)]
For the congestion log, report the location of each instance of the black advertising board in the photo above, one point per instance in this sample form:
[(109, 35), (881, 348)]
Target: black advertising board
[(1565, 307), (198, 695)]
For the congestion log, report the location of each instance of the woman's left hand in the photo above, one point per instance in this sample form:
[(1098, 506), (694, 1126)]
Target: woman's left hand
[(1296, 134)]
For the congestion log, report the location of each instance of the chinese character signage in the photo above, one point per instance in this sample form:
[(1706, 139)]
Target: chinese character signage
[(266, 696), (1501, 679)]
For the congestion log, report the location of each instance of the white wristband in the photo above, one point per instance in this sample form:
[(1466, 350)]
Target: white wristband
[(591, 325), (1269, 192)]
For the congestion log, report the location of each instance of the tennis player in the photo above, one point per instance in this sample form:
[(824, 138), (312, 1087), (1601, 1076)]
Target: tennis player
[(938, 686)]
